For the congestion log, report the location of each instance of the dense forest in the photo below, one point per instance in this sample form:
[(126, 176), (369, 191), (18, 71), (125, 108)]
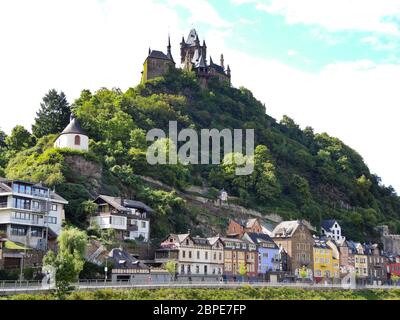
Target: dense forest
[(298, 173)]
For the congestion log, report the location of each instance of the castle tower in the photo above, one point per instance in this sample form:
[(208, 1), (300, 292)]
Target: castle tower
[(73, 137), (157, 63)]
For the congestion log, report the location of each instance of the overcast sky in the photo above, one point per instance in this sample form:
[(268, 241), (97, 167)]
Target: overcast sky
[(332, 64)]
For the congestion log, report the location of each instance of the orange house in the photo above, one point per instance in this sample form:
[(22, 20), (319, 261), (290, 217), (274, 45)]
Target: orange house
[(237, 228)]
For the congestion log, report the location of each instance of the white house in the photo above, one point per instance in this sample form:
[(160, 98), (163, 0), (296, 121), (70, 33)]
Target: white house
[(73, 137), (332, 230), (128, 218), (30, 213), (196, 257)]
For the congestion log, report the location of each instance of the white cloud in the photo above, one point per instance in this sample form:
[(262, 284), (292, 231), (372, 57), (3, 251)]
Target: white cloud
[(291, 53), (334, 15)]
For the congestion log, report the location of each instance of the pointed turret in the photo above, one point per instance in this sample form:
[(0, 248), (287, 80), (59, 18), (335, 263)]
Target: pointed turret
[(149, 51), (228, 71), (169, 54), (222, 61), (197, 41)]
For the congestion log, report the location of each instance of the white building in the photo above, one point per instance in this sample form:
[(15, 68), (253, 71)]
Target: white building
[(30, 213), (73, 137), (332, 230), (128, 218), (196, 257)]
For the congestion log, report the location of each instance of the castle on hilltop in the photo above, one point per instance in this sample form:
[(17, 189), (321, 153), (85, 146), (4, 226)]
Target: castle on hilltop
[(193, 58)]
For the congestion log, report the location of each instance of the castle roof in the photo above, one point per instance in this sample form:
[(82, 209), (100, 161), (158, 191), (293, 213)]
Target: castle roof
[(155, 54), (217, 67), (191, 39), (74, 128), (201, 63)]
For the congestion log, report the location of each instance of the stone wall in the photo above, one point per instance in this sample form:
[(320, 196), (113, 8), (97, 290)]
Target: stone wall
[(391, 242)]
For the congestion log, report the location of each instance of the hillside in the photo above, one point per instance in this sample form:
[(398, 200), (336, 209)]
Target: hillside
[(298, 173)]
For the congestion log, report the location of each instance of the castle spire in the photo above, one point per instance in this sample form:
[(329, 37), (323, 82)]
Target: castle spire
[(149, 50), (169, 54), (228, 71), (222, 61)]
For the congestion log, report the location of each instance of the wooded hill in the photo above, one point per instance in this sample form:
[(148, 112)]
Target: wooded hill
[(298, 173)]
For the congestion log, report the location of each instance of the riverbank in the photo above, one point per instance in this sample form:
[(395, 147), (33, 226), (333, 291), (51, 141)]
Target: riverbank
[(246, 293)]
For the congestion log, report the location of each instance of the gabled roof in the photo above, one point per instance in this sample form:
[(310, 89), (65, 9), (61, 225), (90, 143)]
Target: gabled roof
[(74, 128), (125, 204), (213, 240), (286, 229), (320, 243), (123, 260), (328, 224), (258, 238), (245, 223)]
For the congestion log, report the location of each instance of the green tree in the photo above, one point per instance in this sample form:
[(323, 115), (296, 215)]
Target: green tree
[(69, 260), (300, 190), (242, 269), (19, 139), (53, 115), (3, 137), (170, 266)]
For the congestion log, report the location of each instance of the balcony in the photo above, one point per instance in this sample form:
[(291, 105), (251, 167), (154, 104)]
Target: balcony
[(29, 219), (3, 205), (111, 222)]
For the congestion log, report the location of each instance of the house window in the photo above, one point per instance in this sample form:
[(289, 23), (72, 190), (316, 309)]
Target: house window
[(53, 207), (183, 254), (77, 141), (183, 269), (36, 232), (206, 256), (35, 205), (198, 254), (143, 224), (197, 269), (18, 231), (190, 254)]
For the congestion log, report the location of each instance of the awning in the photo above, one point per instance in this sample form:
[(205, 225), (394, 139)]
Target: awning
[(10, 245)]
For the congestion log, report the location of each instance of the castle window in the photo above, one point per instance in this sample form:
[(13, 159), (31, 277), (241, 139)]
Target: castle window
[(77, 140)]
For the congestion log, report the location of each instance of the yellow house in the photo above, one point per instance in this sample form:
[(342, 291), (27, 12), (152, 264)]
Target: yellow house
[(335, 259), (360, 260), (325, 267), (361, 265)]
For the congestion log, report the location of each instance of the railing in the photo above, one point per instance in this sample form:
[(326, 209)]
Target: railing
[(3, 205), (16, 287)]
